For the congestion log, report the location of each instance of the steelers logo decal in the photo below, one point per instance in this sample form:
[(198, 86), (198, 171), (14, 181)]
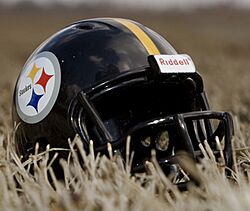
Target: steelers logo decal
[(38, 86)]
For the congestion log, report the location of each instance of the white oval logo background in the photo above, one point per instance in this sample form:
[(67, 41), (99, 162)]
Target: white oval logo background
[(38, 87)]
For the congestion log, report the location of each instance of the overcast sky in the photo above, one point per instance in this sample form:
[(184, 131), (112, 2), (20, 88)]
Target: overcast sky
[(182, 4)]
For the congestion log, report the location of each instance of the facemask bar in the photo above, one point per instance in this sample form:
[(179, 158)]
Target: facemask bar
[(82, 105), (200, 122), (104, 133), (86, 108), (224, 130)]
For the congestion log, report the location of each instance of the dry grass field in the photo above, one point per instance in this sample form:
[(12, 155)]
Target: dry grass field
[(218, 41)]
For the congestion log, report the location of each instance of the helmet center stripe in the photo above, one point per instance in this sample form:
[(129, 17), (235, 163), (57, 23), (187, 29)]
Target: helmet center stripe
[(141, 35)]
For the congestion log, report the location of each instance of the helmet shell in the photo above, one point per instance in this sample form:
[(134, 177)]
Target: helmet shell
[(77, 58)]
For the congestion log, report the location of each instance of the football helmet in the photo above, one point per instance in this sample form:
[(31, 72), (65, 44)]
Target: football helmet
[(109, 78)]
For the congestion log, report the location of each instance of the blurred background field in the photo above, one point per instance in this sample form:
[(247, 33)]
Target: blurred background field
[(218, 40)]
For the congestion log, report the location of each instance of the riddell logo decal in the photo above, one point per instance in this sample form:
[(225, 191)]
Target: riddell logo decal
[(38, 87), (174, 61), (177, 63)]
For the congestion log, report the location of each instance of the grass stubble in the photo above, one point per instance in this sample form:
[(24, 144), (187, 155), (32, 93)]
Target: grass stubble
[(105, 183)]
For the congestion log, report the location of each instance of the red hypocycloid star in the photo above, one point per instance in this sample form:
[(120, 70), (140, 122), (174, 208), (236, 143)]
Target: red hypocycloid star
[(44, 80)]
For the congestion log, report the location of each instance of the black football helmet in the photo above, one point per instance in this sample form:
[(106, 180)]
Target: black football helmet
[(106, 79)]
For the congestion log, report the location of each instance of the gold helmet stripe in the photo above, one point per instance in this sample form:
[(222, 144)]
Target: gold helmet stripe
[(141, 35)]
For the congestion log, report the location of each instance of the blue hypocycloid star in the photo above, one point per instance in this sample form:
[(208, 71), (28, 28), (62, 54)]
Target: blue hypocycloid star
[(34, 100)]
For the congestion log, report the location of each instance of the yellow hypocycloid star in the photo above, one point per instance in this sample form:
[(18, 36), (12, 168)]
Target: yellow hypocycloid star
[(33, 72)]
